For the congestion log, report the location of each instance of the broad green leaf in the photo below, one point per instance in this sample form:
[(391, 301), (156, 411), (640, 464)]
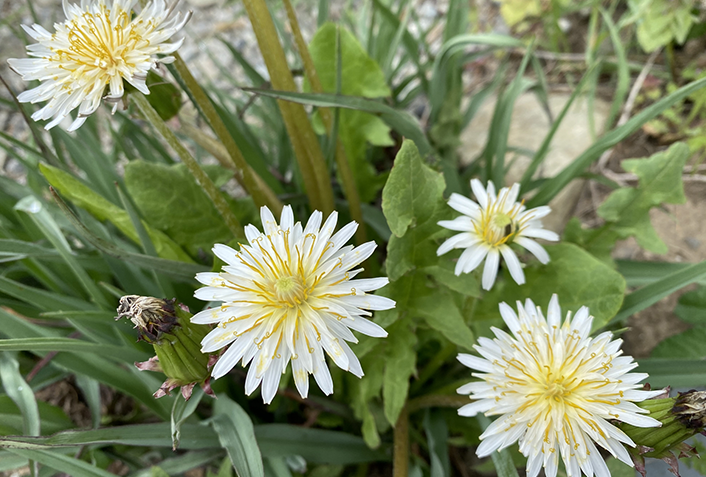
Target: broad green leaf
[(400, 364), (411, 193), (439, 310), (170, 200), (661, 22), (627, 210), (660, 182), (360, 76), (82, 196), (366, 389), (577, 277), (443, 272), (237, 436)]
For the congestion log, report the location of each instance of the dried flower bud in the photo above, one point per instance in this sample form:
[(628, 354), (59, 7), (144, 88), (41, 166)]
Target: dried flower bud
[(682, 417), (175, 339)]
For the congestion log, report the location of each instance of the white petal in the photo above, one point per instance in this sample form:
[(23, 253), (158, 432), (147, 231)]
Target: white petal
[(513, 265), (490, 271), (534, 248)]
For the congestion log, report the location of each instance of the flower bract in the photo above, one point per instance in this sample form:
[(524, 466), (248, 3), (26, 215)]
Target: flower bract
[(490, 226), (92, 52), (555, 389), (290, 296)]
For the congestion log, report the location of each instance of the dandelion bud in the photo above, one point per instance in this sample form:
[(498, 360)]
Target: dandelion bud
[(682, 417), (175, 340)]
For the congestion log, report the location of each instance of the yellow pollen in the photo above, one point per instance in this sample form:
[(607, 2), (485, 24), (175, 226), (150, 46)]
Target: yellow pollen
[(290, 291)]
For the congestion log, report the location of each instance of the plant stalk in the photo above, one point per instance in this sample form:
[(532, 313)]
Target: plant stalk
[(344, 167), (400, 449), (301, 133), (201, 178), (260, 192)]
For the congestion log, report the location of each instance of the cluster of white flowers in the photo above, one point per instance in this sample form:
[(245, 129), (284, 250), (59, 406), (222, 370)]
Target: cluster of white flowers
[(290, 294)]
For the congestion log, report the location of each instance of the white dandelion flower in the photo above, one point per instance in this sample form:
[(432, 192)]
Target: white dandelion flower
[(290, 295), (490, 226), (94, 49), (555, 389)]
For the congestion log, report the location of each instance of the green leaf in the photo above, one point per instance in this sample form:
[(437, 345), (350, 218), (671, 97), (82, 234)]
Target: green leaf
[(439, 310), (550, 188), (437, 433), (52, 418), (688, 344), (627, 209), (655, 291), (400, 364), (237, 436), (692, 306), (82, 196), (164, 97), (365, 390), (577, 277), (411, 192), (443, 272), (170, 200), (686, 373), (181, 411), (401, 121), (360, 76), (63, 463), (21, 393), (71, 345)]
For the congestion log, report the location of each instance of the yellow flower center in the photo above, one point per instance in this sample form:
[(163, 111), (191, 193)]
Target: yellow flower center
[(290, 291), (97, 42), (496, 228), (556, 390)]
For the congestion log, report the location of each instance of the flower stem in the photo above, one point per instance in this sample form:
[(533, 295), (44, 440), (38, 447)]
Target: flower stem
[(261, 193), (344, 167), (201, 178), (400, 449), (301, 134)]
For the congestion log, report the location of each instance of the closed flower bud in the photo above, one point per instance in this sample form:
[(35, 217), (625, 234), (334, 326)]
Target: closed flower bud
[(681, 417), (175, 340)]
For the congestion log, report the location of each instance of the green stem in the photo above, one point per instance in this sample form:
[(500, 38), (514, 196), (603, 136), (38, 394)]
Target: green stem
[(344, 167), (301, 134), (400, 449), (261, 193), (201, 178)]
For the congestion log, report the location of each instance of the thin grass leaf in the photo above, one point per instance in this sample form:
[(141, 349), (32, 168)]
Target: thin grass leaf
[(674, 372), (652, 293), (623, 85), (502, 460), (237, 436), (185, 462), (543, 150), (170, 267), (71, 345), (638, 274), (21, 393), (181, 411), (48, 226), (63, 463), (550, 188), (400, 121), (91, 393)]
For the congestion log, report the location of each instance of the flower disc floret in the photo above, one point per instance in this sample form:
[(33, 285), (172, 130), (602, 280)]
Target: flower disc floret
[(97, 46), (290, 295), (555, 389), (489, 226)]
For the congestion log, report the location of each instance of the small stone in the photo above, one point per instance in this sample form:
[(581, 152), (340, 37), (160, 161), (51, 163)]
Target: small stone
[(693, 243)]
